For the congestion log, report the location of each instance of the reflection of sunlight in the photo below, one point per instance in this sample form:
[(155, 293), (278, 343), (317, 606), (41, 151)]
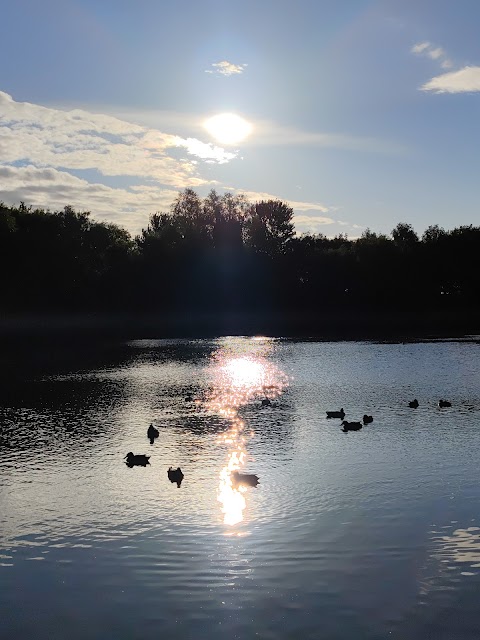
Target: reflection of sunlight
[(232, 499), (461, 550), (462, 546), (244, 372), (240, 374)]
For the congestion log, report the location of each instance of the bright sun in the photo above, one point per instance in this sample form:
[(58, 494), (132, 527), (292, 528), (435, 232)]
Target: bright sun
[(228, 128)]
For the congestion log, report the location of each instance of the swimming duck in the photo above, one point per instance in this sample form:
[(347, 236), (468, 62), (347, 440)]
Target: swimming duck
[(139, 460), (413, 404), (351, 426), (367, 419), (444, 403), (266, 402), (248, 479), (189, 398), (336, 414), (175, 475), (152, 433)]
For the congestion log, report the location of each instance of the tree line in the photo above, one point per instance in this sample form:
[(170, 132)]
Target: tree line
[(224, 253)]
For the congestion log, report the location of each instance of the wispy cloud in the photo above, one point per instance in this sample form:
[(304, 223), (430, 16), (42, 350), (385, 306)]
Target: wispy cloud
[(256, 196), (273, 134), (466, 80), (309, 217), (51, 188), (434, 53), (225, 68)]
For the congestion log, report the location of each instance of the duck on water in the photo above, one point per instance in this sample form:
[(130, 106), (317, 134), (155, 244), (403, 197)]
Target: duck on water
[(152, 433), (139, 460), (246, 479), (175, 475), (336, 414), (351, 426)]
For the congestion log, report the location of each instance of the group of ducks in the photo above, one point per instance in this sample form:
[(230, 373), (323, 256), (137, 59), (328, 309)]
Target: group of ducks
[(176, 475), (441, 404), (349, 426), (141, 460), (356, 426)]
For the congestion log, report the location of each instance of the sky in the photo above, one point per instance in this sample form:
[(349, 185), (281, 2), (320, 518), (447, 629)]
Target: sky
[(360, 113)]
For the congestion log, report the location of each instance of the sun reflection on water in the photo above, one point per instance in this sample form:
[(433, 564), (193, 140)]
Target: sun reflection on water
[(241, 374)]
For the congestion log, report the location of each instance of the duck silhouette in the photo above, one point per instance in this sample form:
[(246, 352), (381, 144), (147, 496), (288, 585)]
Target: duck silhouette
[(175, 475), (266, 402), (351, 426), (139, 460), (413, 404), (246, 479), (444, 403), (152, 433), (367, 419), (336, 414)]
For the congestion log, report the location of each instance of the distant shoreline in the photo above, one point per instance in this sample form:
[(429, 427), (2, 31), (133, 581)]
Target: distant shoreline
[(330, 325)]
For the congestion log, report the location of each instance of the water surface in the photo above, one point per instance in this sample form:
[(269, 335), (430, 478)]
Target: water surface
[(371, 534)]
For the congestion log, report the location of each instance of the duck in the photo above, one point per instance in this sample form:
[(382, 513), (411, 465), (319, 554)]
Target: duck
[(351, 426), (189, 398), (444, 403), (413, 404), (266, 402), (367, 419), (336, 414), (175, 475), (139, 460), (152, 433), (248, 479)]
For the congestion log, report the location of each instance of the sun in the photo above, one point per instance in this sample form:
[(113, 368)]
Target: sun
[(228, 128)]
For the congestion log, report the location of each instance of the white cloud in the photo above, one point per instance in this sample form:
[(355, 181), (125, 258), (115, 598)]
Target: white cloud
[(225, 68), (42, 148), (434, 53), (420, 47), (462, 81), (78, 139)]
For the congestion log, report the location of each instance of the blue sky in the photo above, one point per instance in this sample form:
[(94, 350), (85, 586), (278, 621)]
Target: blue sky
[(364, 113)]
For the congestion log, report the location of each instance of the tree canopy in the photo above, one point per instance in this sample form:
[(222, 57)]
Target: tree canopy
[(222, 252)]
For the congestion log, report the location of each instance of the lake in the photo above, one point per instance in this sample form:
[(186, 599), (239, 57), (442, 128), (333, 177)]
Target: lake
[(369, 534)]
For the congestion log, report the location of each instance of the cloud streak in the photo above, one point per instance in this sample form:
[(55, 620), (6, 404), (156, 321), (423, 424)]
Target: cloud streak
[(225, 68)]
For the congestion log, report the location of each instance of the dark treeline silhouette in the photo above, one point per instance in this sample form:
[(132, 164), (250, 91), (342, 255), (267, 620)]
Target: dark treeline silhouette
[(223, 253)]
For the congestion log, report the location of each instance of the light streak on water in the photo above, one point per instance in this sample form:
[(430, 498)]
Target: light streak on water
[(241, 374)]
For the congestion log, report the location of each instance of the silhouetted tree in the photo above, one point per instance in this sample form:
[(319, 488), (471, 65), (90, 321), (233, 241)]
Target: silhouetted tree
[(269, 227), (404, 235), (222, 253)]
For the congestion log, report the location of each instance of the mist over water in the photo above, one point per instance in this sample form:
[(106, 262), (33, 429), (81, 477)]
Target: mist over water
[(368, 534)]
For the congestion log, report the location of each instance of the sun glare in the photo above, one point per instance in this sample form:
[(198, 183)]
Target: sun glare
[(228, 128)]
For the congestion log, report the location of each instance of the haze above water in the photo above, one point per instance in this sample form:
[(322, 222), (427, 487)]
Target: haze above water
[(371, 534)]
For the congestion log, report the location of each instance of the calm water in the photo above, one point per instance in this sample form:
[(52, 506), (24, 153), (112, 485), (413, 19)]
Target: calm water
[(373, 534)]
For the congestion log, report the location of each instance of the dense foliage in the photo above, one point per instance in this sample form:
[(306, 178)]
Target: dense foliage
[(224, 253)]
